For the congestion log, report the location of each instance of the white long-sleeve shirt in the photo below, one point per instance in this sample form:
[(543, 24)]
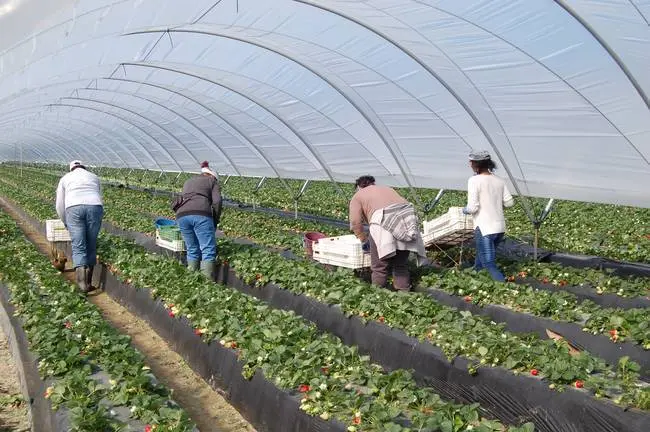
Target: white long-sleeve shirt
[(76, 188), (486, 197)]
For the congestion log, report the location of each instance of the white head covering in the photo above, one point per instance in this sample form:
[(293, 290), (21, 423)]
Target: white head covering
[(205, 168), (479, 155), (74, 164)]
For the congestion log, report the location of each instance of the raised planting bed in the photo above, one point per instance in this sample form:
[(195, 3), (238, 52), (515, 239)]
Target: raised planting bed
[(341, 381), (94, 378), (270, 266), (619, 325), (593, 230)]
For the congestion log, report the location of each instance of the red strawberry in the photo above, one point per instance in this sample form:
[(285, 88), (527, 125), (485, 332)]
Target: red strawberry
[(198, 332), (563, 282), (258, 276), (68, 325), (381, 319), (545, 280), (171, 314), (510, 278), (356, 420), (534, 372), (522, 274), (303, 388), (149, 428), (579, 384), (468, 299), (325, 370)]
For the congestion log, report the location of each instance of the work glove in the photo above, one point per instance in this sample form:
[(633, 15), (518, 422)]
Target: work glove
[(466, 211), (365, 246)]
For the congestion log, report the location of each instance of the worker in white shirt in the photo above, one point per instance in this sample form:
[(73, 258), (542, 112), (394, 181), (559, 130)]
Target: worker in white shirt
[(79, 205), (487, 195)]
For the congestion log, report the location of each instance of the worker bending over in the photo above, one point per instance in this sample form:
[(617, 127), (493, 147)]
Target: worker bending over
[(394, 231)]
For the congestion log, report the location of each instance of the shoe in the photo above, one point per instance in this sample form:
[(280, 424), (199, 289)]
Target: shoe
[(208, 269), (193, 265), (80, 273)]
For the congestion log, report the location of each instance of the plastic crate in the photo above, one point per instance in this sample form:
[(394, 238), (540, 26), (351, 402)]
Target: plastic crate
[(172, 245), (168, 230), (452, 228), (55, 231), (343, 251)]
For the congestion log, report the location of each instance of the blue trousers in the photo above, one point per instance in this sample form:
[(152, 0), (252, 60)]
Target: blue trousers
[(198, 234), (84, 223), (486, 256)]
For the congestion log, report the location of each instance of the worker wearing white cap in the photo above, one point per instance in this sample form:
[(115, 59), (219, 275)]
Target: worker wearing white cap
[(198, 211), (80, 207), (487, 195)]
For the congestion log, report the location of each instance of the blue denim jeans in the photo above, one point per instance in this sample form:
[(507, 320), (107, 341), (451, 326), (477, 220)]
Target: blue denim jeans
[(84, 223), (198, 234), (486, 253)]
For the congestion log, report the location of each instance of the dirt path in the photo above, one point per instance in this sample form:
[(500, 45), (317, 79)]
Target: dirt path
[(208, 409), (13, 409)]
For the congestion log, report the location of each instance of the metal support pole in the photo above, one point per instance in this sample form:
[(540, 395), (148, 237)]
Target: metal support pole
[(257, 188), (297, 198), (432, 204), (226, 180)]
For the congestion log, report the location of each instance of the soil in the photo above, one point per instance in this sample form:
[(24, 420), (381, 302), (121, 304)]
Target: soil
[(13, 409), (209, 410)]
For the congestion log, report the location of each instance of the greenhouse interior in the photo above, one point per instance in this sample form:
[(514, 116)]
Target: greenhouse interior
[(325, 216)]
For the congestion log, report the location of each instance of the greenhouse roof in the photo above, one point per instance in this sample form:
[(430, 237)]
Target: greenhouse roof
[(558, 91)]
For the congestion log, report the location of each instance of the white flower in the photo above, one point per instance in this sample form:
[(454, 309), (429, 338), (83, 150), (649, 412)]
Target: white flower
[(134, 409), (323, 386), (260, 359), (325, 415)]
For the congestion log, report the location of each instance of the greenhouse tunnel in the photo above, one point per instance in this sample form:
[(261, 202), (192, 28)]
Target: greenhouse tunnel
[(556, 90)]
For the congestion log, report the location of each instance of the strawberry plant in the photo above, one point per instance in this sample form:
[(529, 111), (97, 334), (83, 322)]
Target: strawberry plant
[(72, 341)]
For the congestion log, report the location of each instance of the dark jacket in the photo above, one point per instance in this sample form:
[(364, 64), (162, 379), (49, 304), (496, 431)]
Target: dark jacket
[(203, 198)]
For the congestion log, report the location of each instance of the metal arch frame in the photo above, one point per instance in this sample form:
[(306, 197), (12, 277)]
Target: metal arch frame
[(251, 99), (444, 83), (95, 139), (216, 146), (610, 51), (308, 147), (131, 137), (44, 137), (96, 144), (549, 70), (62, 138), (165, 131), (245, 136), (125, 121), (375, 124)]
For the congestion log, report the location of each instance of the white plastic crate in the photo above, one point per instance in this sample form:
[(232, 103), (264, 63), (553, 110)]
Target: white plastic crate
[(343, 251), (175, 245), (55, 231), (452, 228)]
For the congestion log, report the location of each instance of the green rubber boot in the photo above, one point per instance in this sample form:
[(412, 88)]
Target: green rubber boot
[(208, 269), (193, 265), (80, 273)]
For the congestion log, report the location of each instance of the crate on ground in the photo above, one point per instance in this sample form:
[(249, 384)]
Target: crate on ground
[(55, 231), (168, 235), (343, 251), (452, 228)]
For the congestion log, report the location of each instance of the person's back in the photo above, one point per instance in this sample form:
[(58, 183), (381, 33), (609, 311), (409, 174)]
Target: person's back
[(369, 199), (489, 192), (201, 193), (81, 188)]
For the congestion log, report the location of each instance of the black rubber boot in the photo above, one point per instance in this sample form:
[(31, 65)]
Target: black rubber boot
[(89, 278)]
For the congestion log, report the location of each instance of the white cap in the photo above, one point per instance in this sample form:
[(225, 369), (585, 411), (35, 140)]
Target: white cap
[(74, 164), (207, 170)]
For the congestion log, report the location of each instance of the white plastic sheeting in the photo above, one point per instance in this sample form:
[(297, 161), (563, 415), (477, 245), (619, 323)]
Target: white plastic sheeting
[(556, 90)]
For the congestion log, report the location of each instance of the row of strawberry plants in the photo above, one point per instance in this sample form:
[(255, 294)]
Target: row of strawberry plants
[(419, 316), (606, 230), (612, 231), (619, 324), (72, 340), (336, 381), (603, 281)]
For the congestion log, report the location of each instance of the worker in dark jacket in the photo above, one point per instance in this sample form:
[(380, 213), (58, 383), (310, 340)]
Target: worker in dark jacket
[(197, 219)]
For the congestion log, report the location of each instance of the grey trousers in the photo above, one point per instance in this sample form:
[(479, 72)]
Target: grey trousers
[(381, 268)]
